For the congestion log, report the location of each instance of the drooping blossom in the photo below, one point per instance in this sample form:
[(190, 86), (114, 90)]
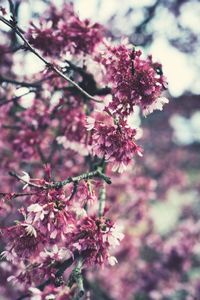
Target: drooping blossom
[(65, 32), (113, 141), (51, 293), (134, 80), (96, 237)]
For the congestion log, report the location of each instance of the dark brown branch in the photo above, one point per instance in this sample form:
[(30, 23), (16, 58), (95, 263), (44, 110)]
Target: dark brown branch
[(41, 154), (14, 9), (15, 195), (89, 84), (61, 267), (14, 99), (20, 83), (73, 191)]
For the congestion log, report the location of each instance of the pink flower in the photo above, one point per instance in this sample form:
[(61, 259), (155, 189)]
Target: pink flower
[(135, 81), (56, 253), (156, 105), (97, 236), (51, 293), (114, 142), (26, 179), (23, 239), (38, 210), (29, 228), (65, 32)]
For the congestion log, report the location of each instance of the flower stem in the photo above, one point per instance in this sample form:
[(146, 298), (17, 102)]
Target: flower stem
[(102, 200), (77, 275)]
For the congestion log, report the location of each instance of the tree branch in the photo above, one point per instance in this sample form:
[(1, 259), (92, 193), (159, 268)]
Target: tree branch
[(59, 184), (15, 195), (76, 277), (61, 269), (102, 200), (15, 99), (96, 173), (21, 83)]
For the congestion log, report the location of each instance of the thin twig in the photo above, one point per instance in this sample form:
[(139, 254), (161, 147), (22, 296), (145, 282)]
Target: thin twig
[(15, 99), (102, 200), (41, 154), (31, 184), (61, 269), (15, 195), (73, 191), (78, 278), (20, 83)]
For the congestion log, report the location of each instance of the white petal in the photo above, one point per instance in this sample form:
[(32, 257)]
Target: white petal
[(35, 208), (112, 260)]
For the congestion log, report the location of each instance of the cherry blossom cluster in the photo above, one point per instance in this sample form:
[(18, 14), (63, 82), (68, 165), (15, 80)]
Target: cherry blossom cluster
[(134, 81), (112, 140), (53, 229), (64, 31)]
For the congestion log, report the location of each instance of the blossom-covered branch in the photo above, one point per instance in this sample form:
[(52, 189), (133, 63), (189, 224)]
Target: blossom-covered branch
[(61, 268), (28, 46)]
